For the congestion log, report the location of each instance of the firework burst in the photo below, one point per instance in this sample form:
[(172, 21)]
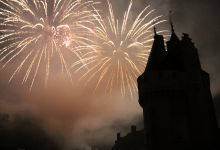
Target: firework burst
[(122, 49), (33, 32)]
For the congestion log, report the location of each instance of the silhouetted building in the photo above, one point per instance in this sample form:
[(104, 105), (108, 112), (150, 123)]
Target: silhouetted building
[(21, 133), (174, 93), (132, 141)]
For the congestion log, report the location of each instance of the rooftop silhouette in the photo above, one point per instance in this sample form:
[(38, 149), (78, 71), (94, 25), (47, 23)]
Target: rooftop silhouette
[(174, 93)]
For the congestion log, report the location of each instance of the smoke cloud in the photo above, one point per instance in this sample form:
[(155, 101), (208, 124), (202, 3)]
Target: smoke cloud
[(71, 114)]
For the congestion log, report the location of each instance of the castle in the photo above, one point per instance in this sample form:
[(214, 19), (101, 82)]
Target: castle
[(175, 95)]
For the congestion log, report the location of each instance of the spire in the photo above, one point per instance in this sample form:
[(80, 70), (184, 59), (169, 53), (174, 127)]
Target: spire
[(155, 30), (173, 37), (173, 49), (171, 21)]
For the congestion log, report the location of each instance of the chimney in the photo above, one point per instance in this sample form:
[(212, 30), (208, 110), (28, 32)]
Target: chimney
[(118, 136), (133, 129)]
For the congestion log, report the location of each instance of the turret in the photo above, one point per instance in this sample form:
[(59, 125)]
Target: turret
[(173, 60), (157, 54), (190, 55)]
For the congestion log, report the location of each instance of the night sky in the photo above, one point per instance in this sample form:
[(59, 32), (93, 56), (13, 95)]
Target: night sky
[(73, 116)]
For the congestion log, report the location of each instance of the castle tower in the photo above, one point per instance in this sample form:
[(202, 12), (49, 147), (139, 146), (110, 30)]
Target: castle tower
[(174, 93)]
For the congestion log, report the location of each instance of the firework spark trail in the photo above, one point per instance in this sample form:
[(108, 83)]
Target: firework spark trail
[(122, 49), (34, 31)]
